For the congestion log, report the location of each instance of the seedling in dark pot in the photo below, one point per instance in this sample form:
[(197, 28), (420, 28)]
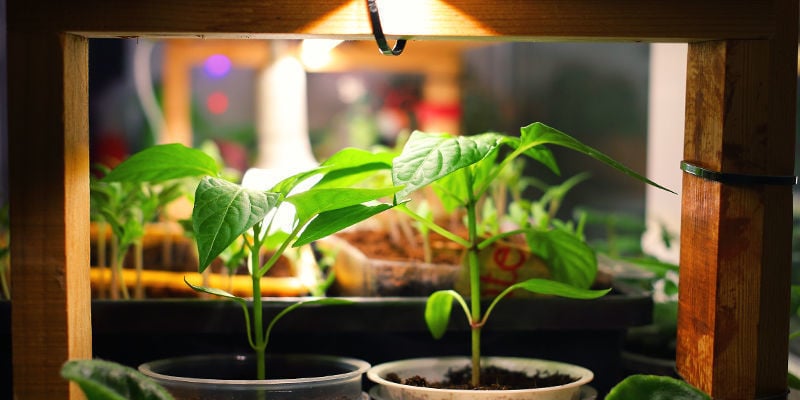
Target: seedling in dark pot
[(462, 168)]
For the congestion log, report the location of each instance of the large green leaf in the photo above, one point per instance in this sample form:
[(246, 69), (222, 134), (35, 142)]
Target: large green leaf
[(654, 387), (223, 211), (164, 162), (106, 380), (570, 259), (330, 222), (315, 201), (428, 157), (437, 311), (537, 134)]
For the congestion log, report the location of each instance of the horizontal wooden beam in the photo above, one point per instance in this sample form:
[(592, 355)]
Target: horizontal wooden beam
[(551, 20)]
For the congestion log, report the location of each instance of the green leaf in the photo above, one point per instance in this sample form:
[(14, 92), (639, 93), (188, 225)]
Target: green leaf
[(556, 193), (451, 191), (654, 387), (794, 381), (570, 259), (106, 380), (437, 312), (553, 288), (163, 162), (428, 157), (538, 153), (353, 157), (330, 222), (315, 201), (538, 134), (653, 265), (223, 211), (215, 292), (350, 166), (285, 186)]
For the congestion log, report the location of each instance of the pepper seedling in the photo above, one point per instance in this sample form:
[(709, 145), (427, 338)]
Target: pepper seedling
[(463, 168), (225, 212)]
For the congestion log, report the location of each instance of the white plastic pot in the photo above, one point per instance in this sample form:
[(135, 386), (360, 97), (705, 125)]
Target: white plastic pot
[(434, 369), (290, 377)]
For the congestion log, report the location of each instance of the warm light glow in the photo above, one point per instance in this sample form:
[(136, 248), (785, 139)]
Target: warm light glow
[(406, 17), (316, 53)]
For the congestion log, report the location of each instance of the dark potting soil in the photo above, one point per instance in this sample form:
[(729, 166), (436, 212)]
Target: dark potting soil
[(493, 378)]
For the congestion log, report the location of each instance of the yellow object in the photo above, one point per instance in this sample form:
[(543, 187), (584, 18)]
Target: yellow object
[(171, 281)]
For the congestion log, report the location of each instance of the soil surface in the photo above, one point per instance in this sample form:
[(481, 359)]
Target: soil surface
[(493, 378), (379, 244)]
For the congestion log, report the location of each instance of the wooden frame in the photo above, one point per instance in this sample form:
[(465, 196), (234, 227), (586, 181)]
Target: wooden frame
[(735, 240)]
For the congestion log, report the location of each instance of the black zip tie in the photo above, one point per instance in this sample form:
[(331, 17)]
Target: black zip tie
[(377, 31), (737, 179)]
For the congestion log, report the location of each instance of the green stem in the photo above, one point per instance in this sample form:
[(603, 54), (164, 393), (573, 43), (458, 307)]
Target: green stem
[(496, 171), (433, 226), (3, 279), (102, 259), (113, 287), (279, 252), (138, 263), (488, 242), (258, 318), (474, 280), (258, 311)]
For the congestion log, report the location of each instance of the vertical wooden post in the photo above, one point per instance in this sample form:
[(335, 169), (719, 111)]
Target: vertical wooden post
[(735, 239), (49, 181)]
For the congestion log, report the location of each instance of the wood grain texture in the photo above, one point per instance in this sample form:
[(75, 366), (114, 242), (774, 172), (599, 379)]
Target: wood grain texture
[(735, 240), (680, 20), (50, 213)]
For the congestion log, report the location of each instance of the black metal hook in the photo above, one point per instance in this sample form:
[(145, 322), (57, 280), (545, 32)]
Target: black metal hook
[(377, 31)]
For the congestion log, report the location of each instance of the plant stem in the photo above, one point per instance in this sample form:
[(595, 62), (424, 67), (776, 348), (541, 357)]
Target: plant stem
[(102, 259), (3, 279), (433, 226), (258, 311), (113, 287), (137, 256), (474, 280)]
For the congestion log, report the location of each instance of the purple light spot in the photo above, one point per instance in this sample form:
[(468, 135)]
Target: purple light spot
[(217, 65)]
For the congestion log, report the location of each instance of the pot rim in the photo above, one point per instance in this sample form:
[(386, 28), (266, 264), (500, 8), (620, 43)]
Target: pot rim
[(359, 368), (375, 373)]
